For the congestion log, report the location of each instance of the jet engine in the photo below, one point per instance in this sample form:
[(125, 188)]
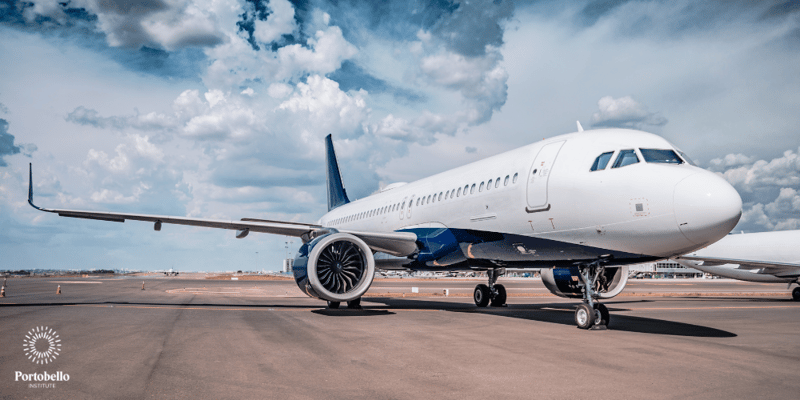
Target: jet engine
[(334, 267), (566, 282)]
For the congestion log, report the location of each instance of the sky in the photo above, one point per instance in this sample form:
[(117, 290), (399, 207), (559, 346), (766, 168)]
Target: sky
[(218, 108)]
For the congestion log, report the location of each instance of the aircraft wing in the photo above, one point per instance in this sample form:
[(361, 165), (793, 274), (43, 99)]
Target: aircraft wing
[(394, 243), (781, 269)]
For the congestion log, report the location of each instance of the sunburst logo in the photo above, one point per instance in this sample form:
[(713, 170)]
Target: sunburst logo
[(42, 345)]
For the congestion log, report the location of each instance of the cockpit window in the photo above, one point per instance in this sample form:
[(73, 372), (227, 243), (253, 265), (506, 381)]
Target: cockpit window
[(601, 161), (626, 157), (660, 156), (686, 158)]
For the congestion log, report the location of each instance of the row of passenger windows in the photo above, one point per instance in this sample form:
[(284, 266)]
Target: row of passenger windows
[(431, 198), (630, 156)]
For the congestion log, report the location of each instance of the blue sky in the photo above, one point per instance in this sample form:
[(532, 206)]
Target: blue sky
[(217, 109)]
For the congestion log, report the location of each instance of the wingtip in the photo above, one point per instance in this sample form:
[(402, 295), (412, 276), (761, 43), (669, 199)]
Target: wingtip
[(30, 186), (580, 127)]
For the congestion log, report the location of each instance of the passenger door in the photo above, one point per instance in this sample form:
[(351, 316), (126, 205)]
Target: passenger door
[(539, 176)]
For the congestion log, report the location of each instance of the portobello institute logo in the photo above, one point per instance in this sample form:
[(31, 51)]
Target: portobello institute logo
[(42, 345)]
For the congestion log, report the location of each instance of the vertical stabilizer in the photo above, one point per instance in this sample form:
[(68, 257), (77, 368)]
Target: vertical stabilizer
[(337, 196)]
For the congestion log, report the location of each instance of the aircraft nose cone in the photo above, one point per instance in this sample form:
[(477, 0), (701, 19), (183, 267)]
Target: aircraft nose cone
[(706, 207)]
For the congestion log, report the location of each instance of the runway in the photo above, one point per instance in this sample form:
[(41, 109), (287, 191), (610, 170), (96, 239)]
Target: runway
[(197, 338)]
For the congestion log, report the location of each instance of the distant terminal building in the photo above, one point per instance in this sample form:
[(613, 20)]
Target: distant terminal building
[(663, 269), (287, 265)]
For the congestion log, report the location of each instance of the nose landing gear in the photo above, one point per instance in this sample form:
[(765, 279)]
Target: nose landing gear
[(494, 294), (591, 314)]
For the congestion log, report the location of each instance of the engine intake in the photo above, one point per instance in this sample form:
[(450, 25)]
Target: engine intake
[(334, 267), (566, 282)]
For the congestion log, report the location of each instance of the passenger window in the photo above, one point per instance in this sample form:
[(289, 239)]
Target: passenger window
[(660, 156), (417, 200), (514, 180), (489, 185), (458, 193), (472, 189), (446, 194), (505, 182), (497, 183), (440, 196), (601, 161), (480, 189), (428, 200), (452, 193), (626, 157)]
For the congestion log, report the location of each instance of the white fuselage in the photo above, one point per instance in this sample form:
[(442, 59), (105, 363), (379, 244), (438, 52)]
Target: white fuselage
[(547, 190), (782, 247)]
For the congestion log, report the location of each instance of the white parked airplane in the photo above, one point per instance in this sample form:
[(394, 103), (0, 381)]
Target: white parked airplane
[(755, 257), (579, 207)]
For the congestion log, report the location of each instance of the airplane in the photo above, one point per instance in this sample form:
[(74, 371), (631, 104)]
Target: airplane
[(754, 257), (580, 207)]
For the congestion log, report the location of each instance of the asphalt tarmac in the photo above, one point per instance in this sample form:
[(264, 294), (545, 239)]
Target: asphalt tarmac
[(196, 338)]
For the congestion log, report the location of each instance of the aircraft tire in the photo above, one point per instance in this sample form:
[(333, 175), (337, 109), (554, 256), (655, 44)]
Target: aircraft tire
[(481, 295), (500, 298), (796, 294), (333, 304), (584, 316), (604, 315), (354, 304)]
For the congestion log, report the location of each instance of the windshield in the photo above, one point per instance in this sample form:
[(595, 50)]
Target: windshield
[(626, 157), (661, 156)]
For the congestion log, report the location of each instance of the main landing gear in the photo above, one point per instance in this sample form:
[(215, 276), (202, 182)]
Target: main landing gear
[(352, 304), (591, 314), (796, 294), (494, 294)]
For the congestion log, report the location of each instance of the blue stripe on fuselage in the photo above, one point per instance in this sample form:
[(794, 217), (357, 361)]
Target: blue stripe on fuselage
[(453, 249)]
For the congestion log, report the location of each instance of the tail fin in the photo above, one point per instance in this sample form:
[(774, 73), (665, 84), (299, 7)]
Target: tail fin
[(337, 196)]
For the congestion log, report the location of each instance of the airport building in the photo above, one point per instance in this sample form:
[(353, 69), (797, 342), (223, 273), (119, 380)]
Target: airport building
[(663, 269)]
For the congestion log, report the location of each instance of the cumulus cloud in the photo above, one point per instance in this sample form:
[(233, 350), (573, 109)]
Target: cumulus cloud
[(7, 146), (730, 160), (769, 189), (625, 112), (166, 24)]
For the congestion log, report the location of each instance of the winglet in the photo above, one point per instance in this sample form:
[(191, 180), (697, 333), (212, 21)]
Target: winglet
[(580, 128), (30, 186), (337, 196)]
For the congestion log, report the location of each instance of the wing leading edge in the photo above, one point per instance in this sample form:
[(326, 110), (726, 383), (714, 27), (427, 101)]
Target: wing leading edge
[(394, 243)]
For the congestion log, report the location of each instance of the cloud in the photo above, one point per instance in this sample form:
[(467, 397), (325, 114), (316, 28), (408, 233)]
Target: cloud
[(474, 26), (7, 146), (163, 24), (769, 189), (624, 112), (730, 160)]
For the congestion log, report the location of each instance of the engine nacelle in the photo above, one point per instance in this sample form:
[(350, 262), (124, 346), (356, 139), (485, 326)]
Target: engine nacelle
[(566, 282), (334, 267)]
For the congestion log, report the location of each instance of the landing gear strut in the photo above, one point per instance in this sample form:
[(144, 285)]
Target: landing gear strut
[(494, 294), (591, 314)]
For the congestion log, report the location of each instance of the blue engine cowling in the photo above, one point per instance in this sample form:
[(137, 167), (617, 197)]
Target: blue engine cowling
[(566, 282), (334, 267)]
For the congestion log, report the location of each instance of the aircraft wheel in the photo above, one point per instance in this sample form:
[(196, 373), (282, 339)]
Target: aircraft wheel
[(354, 303), (603, 316), (796, 294), (481, 295), (584, 316), (333, 304), (500, 296)]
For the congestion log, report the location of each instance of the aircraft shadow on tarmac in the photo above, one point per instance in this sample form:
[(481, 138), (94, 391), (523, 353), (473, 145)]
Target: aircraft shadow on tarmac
[(564, 314), (557, 313)]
